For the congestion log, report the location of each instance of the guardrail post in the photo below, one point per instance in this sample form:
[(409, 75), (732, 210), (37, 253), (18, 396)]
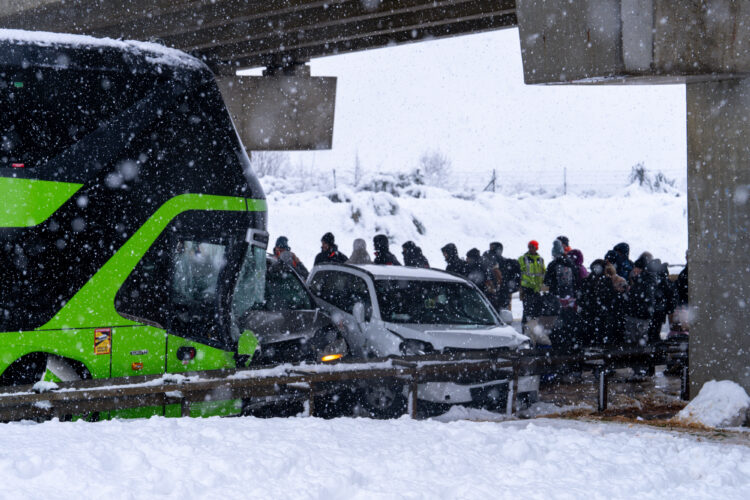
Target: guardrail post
[(603, 389), (311, 411), (512, 407), (184, 407), (685, 384), (413, 385)]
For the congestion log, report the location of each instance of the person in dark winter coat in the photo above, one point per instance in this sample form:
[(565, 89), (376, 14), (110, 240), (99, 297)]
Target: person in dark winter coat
[(599, 308), (562, 275), (383, 255), (413, 256), (506, 274), (476, 272), (329, 252), (665, 299), (453, 261), (639, 301), (562, 279), (282, 252), (611, 258), (623, 264), (682, 287)]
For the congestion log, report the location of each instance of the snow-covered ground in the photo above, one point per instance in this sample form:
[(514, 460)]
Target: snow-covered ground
[(648, 221), (360, 458)]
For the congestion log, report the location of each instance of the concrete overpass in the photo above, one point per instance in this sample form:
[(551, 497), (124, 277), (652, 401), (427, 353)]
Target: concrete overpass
[(702, 43)]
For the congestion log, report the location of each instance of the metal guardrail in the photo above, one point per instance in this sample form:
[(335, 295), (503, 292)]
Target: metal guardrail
[(101, 395)]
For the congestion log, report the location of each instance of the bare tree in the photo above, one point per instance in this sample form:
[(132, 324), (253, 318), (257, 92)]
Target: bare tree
[(435, 166), (274, 163), (358, 169)]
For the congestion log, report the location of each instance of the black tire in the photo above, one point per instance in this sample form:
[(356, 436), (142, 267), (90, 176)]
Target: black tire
[(26, 370), (383, 399)]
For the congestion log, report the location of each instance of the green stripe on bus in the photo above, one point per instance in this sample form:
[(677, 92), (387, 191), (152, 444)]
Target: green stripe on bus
[(29, 202)]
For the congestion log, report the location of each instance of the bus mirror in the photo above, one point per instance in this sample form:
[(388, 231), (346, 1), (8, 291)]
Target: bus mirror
[(246, 346)]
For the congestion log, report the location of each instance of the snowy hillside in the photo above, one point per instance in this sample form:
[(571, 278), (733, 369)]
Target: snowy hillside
[(432, 217)]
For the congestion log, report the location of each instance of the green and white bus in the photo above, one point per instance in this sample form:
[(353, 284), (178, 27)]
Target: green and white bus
[(131, 228)]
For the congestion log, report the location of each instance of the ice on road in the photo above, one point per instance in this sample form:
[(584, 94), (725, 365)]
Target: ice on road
[(361, 458)]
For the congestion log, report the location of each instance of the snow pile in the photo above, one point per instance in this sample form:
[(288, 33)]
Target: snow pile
[(432, 217), (718, 404), (360, 458)]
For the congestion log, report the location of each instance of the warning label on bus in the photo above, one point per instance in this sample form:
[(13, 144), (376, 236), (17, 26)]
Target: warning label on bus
[(103, 341)]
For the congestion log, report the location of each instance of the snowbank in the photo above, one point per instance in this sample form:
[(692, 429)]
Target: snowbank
[(432, 217), (718, 404), (361, 458)]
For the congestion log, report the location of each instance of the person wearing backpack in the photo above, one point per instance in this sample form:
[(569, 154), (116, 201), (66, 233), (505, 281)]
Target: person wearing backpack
[(507, 274)]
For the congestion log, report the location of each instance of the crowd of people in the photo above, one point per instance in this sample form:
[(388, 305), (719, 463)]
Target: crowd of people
[(615, 302)]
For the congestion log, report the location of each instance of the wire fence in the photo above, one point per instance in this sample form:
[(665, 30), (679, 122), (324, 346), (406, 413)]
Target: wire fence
[(549, 182)]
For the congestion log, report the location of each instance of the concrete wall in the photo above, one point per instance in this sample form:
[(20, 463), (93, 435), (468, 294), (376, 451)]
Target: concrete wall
[(719, 223)]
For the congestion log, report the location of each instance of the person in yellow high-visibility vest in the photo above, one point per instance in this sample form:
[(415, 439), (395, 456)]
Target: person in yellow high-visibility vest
[(532, 277)]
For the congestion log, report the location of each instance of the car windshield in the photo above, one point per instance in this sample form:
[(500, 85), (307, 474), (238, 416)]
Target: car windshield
[(432, 302)]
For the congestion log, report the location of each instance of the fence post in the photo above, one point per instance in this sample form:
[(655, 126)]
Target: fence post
[(602, 400)]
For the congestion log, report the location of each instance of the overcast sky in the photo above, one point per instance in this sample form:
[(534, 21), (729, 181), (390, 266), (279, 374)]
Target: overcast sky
[(466, 97)]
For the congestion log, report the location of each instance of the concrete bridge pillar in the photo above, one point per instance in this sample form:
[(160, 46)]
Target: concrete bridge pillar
[(706, 45)]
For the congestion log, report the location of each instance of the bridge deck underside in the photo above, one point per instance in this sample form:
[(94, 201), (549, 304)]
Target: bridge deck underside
[(250, 33)]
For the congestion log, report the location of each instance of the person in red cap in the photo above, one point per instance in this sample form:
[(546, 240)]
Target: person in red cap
[(532, 277)]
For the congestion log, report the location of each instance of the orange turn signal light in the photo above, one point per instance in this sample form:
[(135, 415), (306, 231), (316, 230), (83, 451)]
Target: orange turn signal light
[(331, 357)]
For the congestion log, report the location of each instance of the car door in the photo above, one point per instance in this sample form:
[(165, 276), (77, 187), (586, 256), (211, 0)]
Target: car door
[(340, 290)]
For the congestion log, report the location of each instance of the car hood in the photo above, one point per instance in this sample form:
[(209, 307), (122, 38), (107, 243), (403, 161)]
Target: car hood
[(280, 326), (457, 337)]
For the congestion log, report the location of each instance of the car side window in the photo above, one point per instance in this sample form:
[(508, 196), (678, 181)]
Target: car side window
[(341, 289)]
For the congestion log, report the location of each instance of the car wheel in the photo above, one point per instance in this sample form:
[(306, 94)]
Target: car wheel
[(384, 399)]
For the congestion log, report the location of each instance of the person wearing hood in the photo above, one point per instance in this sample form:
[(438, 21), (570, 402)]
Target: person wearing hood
[(576, 257), (623, 264), (562, 276), (476, 272), (284, 253), (359, 253), (383, 255), (532, 277), (505, 275), (562, 279), (454, 263), (413, 256), (329, 252), (600, 310)]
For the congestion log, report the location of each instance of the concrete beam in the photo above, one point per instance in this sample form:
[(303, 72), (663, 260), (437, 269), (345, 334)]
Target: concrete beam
[(632, 41), (281, 111)]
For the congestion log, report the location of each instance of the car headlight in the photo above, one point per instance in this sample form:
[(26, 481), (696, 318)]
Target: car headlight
[(413, 347), (335, 350)]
